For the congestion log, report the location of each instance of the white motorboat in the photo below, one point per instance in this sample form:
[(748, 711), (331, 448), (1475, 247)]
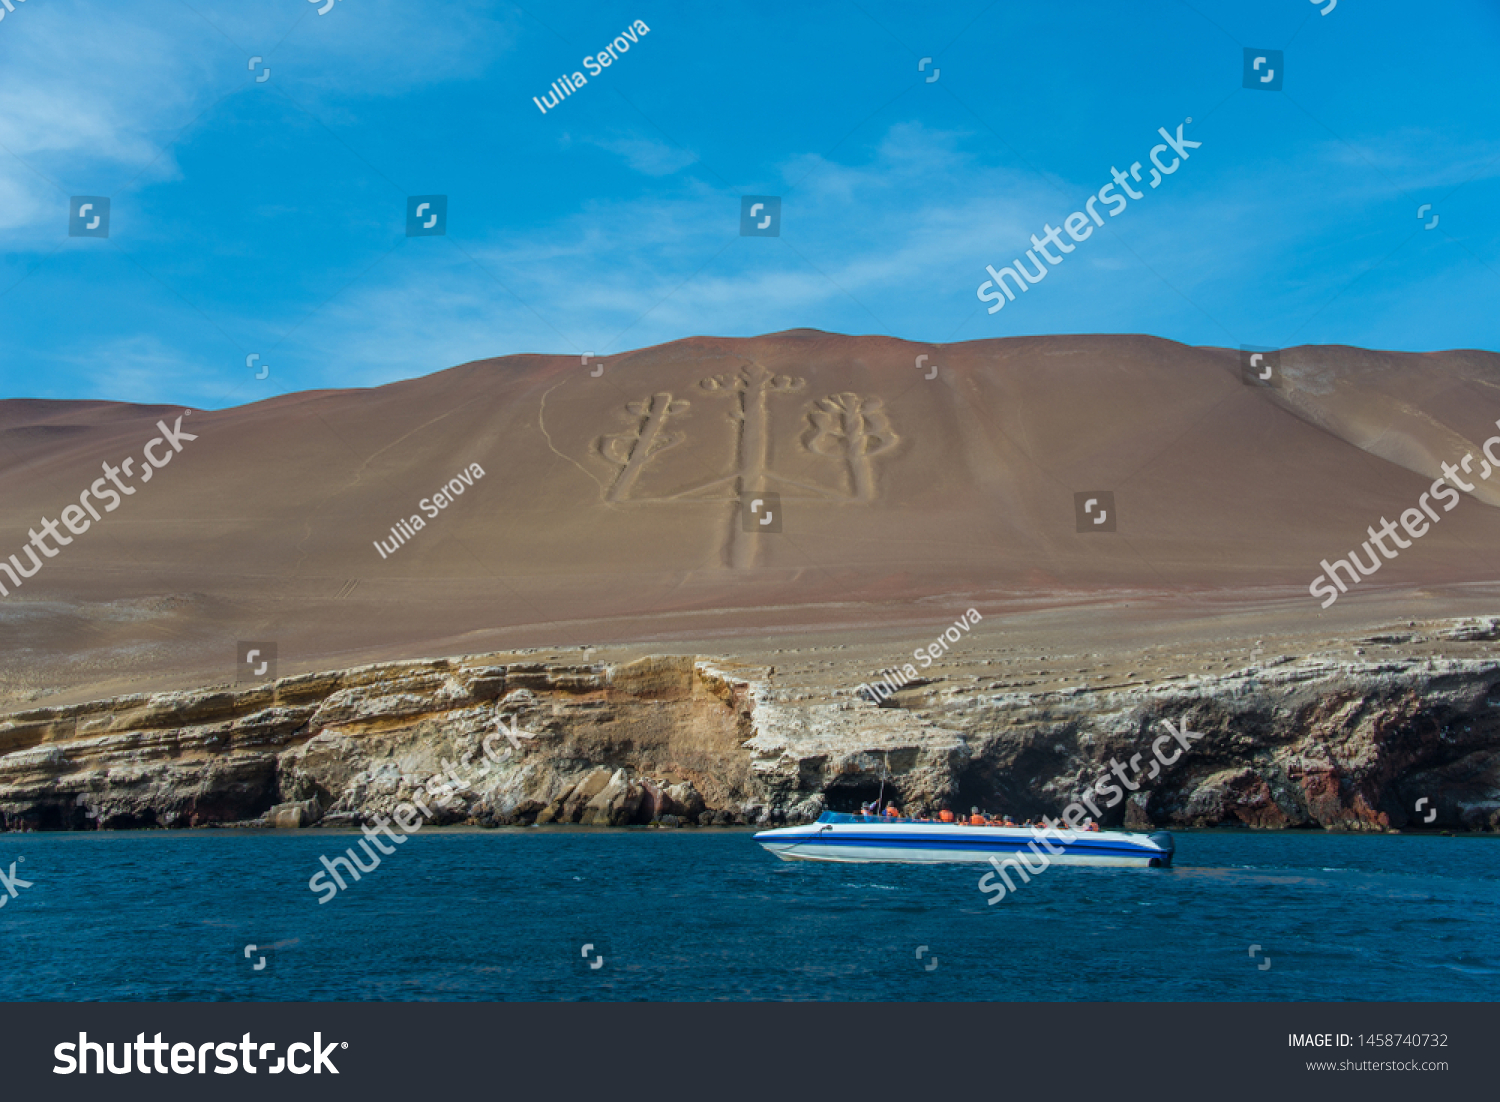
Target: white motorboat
[(857, 838)]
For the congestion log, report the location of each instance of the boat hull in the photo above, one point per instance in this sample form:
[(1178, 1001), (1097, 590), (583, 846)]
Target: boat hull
[(944, 843)]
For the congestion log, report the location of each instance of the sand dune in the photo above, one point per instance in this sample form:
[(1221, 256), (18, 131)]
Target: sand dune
[(609, 508)]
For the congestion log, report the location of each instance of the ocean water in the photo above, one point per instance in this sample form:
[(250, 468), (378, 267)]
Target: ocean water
[(707, 914)]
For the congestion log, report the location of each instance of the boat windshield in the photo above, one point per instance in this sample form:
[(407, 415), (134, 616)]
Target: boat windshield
[(842, 817)]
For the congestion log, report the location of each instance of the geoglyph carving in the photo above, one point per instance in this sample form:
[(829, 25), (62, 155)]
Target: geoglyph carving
[(856, 428), (849, 427), (632, 450)]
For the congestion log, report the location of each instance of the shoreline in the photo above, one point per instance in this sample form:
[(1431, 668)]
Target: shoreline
[(566, 829)]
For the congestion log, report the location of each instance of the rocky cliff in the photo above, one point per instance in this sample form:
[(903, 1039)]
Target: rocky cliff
[(1380, 739)]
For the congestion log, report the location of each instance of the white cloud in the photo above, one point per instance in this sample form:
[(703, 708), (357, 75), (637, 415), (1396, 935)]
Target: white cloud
[(95, 95), (620, 273), (143, 368), (67, 121), (644, 155)]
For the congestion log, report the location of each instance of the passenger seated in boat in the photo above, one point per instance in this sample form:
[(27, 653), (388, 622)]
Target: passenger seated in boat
[(975, 819), (891, 811), (1008, 822), (944, 815), (1092, 825)]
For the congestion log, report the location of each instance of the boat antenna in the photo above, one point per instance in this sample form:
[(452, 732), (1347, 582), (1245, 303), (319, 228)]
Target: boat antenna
[(880, 800)]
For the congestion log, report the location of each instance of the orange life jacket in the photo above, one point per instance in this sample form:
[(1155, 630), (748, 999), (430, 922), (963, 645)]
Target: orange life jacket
[(976, 820), (945, 816)]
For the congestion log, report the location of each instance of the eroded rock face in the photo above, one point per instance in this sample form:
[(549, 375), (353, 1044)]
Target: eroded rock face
[(1290, 742), (627, 744)]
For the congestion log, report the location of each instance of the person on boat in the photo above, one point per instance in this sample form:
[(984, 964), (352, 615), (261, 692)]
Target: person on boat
[(1092, 825), (944, 815), (891, 811), (975, 819), (1008, 822)]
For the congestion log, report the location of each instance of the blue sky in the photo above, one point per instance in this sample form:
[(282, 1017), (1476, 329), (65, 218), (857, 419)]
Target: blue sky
[(268, 217)]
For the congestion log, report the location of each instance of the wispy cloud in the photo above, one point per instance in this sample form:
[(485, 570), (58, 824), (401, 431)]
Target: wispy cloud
[(271, 224), (645, 155), (144, 368)]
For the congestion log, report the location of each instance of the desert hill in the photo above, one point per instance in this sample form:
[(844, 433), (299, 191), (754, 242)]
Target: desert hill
[(608, 509)]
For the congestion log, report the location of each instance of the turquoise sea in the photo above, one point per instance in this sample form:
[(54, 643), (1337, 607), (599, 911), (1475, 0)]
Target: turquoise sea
[(560, 913)]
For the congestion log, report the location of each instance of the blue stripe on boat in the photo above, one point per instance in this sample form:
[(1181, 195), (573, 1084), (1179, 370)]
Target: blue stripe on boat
[(1001, 844)]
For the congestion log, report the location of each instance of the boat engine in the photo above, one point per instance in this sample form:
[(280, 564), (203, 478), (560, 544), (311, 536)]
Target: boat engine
[(1163, 839)]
